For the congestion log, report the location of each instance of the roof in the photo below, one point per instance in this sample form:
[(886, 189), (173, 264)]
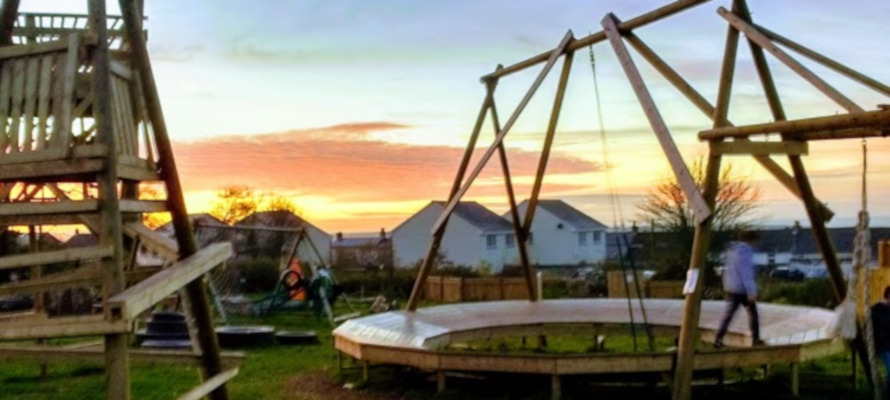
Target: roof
[(569, 215), (277, 219), (82, 240), (203, 219), (479, 216), (359, 242)]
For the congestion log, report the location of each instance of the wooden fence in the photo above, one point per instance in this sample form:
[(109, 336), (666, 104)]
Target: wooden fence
[(619, 286), (448, 289)]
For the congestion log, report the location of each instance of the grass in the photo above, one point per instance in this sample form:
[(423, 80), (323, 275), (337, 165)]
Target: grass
[(311, 373)]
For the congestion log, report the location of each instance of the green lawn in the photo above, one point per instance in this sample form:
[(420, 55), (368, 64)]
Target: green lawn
[(311, 373)]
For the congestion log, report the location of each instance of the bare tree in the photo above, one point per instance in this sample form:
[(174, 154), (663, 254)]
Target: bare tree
[(667, 209)]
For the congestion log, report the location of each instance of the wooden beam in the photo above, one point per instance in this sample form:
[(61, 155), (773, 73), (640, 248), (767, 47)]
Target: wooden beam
[(59, 281), (209, 385), (138, 298), (650, 17), (852, 133), (57, 256), (59, 170), (94, 354), (142, 206), (43, 328), (879, 118), (9, 12), (436, 239), (452, 203), (27, 209), (758, 38), (759, 148), (195, 292), (153, 240), (689, 330), (681, 172), (705, 107), (36, 49), (77, 152), (825, 61)]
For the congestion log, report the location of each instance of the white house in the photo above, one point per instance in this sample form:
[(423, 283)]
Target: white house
[(475, 236), (563, 235)]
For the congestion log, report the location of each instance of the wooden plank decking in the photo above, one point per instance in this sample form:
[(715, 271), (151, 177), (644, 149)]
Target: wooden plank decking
[(419, 339)]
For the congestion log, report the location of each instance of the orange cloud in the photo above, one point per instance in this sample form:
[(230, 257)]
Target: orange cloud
[(344, 163)]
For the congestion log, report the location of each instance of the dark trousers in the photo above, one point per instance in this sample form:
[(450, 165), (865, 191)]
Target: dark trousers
[(733, 301)]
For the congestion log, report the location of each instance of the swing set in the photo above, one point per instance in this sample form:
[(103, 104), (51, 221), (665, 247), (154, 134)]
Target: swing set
[(782, 137)]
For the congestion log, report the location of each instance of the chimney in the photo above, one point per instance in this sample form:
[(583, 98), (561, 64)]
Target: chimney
[(339, 236), (382, 233)]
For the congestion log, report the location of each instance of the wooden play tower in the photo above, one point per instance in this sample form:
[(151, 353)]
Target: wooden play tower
[(81, 127), (789, 139)]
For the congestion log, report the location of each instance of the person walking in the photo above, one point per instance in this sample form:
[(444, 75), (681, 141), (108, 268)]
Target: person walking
[(740, 286)]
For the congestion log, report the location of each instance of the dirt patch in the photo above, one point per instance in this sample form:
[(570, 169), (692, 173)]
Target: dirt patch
[(320, 386)]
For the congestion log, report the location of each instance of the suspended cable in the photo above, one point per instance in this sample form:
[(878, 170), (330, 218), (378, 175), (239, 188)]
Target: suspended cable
[(617, 214)]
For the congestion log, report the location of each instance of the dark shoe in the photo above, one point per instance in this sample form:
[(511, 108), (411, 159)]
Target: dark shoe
[(718, 344)]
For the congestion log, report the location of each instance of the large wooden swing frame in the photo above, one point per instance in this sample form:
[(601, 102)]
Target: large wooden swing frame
[(95, 69), (723, 139)]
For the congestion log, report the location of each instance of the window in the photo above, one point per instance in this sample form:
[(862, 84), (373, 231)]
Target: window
[(511, 240), (491, 241), (582, 238), (597, 236)]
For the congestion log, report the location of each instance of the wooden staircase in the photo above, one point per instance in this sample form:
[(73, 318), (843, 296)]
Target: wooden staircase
[(81, 129)]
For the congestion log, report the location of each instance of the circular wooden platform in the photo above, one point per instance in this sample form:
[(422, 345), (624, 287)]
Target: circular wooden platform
[(794, 334)]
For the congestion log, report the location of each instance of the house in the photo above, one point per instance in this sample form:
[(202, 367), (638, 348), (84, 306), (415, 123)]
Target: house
[(475, 237), (562, 235), (204, 226), (364, 252), (271, 242), (82, 240)]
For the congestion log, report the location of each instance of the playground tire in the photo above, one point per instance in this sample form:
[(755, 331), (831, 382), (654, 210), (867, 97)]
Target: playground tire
[(245, 336), (297, 337)]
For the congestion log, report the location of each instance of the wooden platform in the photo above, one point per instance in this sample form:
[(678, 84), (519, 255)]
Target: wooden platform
[(419, 339)]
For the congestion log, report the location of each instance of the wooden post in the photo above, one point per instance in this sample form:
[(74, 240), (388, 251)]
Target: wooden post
[(518, 231), (452, 203), (440, 381), (682, 387), (884, 255), (555, 387), (795, 379), (438, 234), (681, 172), (117, 370), (8, 14), (196, 290)]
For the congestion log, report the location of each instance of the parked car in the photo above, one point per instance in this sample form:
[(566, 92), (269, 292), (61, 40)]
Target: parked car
[(787, 274)]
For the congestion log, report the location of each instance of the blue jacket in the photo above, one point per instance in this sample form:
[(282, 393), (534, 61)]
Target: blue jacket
[(738, 274)]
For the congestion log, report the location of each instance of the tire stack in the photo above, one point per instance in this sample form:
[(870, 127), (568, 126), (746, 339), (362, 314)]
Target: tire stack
[(165, 330)]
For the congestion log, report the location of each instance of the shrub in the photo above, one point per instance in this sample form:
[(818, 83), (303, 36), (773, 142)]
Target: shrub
[(811, 292)]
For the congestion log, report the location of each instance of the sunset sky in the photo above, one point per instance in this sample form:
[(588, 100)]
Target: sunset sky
[(359, 110)]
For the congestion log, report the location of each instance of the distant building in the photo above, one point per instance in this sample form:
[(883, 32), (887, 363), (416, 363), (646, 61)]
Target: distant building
[(563, 235), (366, 252), (475, 236), (271, 243), (203, 224), (82, 240)]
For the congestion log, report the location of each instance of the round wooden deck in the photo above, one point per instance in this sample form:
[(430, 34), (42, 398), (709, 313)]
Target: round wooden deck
[(419, 339)]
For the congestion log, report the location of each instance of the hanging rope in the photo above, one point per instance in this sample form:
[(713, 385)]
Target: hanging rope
[(618, 217), (861, 259), (617, 214)]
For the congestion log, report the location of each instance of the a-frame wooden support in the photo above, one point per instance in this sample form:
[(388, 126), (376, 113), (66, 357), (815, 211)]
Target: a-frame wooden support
[(45, 82)]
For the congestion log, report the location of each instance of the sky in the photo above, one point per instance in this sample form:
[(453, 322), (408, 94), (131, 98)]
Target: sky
[(359, 110)]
